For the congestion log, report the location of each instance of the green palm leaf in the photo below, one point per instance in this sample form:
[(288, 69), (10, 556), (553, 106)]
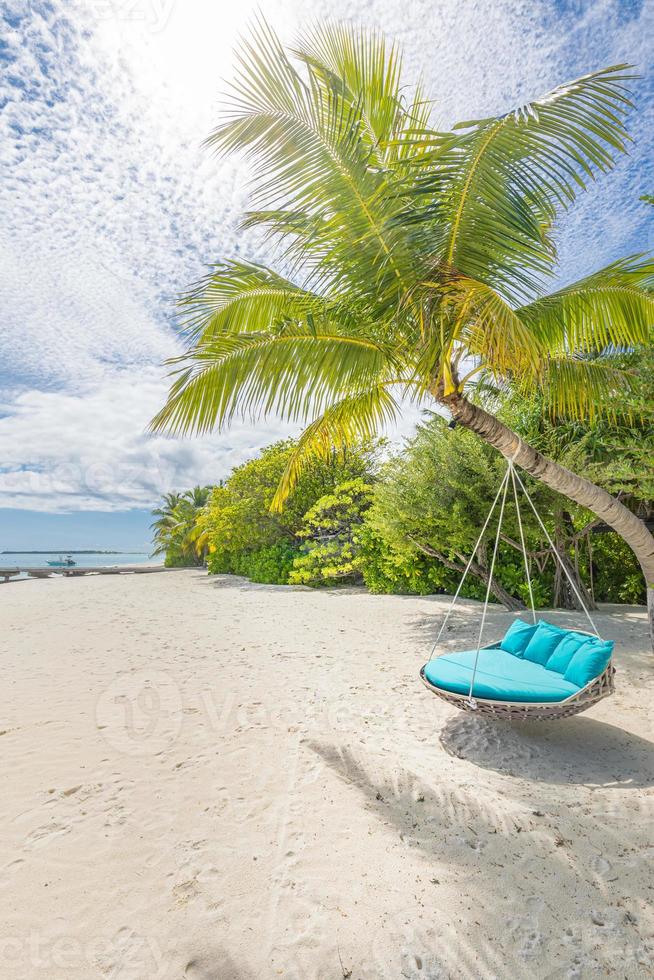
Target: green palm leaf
[(367, 71), (580, 388), (293, 374), (613, 307), (503, 181), (242, 296), (312, 147), (355, 418)]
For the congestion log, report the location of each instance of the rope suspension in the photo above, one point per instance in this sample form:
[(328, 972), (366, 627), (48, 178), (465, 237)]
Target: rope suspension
[(469, 565), (558, 557), (471, 700), (522, 541), (513, 477)]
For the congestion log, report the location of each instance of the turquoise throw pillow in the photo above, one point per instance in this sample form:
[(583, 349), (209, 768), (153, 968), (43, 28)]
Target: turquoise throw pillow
[(517, 637), (588, 662), (565, 651), (543, 643)]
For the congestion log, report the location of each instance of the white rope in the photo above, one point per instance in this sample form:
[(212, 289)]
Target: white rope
[(522, 540), (470, 561), (557, 555), (505, 483)]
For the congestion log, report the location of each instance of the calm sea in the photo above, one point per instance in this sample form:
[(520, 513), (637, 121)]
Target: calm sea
[(93, 560)]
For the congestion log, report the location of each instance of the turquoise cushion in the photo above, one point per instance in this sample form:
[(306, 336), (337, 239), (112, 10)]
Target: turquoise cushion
[(500, 676), (588, 662), (543, 643), (565, 651), (517, 637)]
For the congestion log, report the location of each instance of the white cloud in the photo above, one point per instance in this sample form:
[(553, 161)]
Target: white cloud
[(111, 206), (88, 450)]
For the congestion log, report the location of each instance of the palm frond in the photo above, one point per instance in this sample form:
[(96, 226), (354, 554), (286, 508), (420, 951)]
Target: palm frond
[(477, 321), (367, 71), (504, 180), (581, 388), (241, 296), (314, 159), (613, 307), (353, 419), (293, 373)]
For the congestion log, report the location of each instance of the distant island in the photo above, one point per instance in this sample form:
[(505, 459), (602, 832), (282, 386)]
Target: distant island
[(74, 551)]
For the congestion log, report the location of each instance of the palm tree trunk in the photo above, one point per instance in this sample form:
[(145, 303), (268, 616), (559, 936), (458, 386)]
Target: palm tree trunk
[(625, 523)]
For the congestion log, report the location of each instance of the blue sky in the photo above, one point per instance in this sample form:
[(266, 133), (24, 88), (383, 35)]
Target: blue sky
[(107, 530), (110, 207)]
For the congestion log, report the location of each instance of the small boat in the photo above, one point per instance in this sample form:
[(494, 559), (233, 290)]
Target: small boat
[(66, 562)]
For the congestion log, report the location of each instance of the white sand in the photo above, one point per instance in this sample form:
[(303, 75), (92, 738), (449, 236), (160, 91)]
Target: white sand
[(204, 778)]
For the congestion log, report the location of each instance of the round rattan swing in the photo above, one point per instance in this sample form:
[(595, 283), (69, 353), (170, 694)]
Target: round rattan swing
[(571, 699)]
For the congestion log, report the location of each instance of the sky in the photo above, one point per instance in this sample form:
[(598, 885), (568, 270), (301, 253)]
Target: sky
[(111, 206)]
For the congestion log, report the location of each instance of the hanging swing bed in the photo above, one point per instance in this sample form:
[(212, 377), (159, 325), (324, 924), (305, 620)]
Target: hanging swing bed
[(537, 671)]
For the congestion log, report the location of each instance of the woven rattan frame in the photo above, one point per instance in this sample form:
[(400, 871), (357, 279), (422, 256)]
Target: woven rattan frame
[(600, 687)]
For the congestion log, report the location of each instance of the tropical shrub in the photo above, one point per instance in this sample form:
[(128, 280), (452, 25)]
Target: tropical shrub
[(616, 575), (245, 537), (390, 569), (271, 565), (432, 501), (408, 528), (330, 531)]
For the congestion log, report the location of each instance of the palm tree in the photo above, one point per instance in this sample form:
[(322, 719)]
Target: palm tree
[(165, 523), (414, 261), (176, 532)]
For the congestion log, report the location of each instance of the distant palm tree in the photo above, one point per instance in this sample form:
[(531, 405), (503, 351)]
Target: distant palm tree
[(165, 523), (175, 530), (415, 261)]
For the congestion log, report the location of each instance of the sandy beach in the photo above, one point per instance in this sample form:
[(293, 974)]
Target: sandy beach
[(208, 779)]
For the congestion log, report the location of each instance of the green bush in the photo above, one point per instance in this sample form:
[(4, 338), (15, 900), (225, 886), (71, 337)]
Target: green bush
[(331, 552), (174, 559), (271, 565), (347, 520), (390, 571), (616, 573)]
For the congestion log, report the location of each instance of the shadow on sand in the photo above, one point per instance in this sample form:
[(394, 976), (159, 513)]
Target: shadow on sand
[(220, 966), (573, 750)]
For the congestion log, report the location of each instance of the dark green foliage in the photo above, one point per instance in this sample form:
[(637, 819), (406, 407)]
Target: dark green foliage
[(434, 498), (616, 573), (270, 565)]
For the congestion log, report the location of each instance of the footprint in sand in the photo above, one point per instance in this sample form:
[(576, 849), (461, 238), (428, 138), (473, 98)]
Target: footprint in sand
[(200, 969), (527, 938), (600, 865), (45, 835), (9, 870)]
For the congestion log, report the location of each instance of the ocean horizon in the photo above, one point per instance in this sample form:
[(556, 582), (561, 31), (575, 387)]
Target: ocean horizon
[(94, 559)]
